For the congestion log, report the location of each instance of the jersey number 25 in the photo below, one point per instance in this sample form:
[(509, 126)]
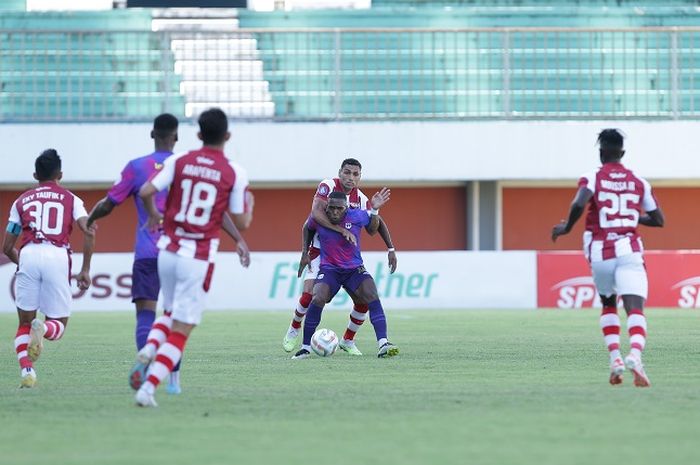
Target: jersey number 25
[(620, 211)]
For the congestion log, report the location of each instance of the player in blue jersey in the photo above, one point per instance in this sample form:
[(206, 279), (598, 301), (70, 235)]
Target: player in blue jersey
[(145, 283), (341, 265)]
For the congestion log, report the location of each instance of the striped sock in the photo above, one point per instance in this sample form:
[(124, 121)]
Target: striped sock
[(357, 317), (167, 357), (610, 324), (300, 312), (637, 330), (54, 330), (160, 331), (21, 342)]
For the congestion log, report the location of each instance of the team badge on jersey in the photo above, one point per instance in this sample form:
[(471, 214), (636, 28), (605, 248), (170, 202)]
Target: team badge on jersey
[(158, 166), (348, 225), (323, 190)]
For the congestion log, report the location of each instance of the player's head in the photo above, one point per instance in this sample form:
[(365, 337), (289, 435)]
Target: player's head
[(350, 173), (164, 132), (213, 127), (47, 166), (337, 206), (611, 143)]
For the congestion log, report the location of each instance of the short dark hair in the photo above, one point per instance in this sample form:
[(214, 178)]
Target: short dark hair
[(164, 125), (47, 165), (352, 162), (213, 125), (611, 139), (338, 195)]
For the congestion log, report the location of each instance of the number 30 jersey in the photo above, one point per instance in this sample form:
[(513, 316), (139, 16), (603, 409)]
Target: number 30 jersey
[(46, 214), (203, 185), (619, 198)]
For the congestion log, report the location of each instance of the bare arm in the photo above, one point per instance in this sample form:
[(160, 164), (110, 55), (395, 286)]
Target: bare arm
[(103, 208), (654, 219), (148, 195), (373, 226), (307, 237), (384, 232), (8, 247), (241, 245), (583, 195), (84, 279)]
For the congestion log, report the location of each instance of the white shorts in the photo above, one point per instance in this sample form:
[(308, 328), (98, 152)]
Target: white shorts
[(42, 281), (625, 275), (312, 269), (184, 282)]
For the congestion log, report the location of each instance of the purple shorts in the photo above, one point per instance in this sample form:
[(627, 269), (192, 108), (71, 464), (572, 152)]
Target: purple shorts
[(145, 284), (349, 279)]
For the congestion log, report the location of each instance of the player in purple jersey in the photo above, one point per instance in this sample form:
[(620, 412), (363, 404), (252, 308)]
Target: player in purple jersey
[(341, 265), (145, 283)]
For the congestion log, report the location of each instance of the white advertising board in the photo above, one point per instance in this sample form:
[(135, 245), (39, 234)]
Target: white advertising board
[(424, 280)]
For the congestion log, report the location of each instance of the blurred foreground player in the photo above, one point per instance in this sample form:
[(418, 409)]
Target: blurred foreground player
[(618, 201), (202, 184), (341, 265), (43, 219)]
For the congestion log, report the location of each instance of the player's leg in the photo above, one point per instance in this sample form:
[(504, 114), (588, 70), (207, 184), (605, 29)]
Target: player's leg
[(631, 280), (357, 317), (193, 278), (145, 286), (604, 279), (367, 291), (327, 285), (291, 337), (22, 338)]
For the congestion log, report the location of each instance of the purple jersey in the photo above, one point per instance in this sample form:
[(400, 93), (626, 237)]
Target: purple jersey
[(135, 175), (335, 250)]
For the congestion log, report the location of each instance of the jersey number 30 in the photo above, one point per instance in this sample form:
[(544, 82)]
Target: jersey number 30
[(48, 216), (620, 211), (197, 202)]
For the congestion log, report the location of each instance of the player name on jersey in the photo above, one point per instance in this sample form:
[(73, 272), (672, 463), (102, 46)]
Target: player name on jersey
[(202, 171)]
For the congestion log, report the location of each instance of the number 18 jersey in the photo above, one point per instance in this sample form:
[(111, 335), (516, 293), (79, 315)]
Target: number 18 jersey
[(619, 198), (203, 185)]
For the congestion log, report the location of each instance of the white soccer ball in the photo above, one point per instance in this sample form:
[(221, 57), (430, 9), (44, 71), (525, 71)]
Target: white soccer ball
[(324, 342)]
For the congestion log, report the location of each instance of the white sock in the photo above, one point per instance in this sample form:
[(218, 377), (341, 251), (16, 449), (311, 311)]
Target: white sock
[(382, 341)]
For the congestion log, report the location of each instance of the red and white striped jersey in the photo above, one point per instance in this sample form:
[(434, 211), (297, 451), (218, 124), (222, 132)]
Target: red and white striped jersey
[(619, 198), (203, 185), (356, 199), (46, 214)]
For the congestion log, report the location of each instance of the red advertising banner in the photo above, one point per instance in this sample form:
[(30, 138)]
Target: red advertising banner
[(564, 280)]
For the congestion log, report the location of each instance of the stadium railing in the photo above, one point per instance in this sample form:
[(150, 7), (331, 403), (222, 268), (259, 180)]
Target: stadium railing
[(338, 74)]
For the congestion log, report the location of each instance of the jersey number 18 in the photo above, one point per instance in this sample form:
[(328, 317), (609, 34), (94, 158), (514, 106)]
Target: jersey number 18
[(197, 202)]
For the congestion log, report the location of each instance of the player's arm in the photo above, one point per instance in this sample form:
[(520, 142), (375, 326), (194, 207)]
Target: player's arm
[(378, 200), (103, 208), (244, 219), (241, 245), (148, 194), (318, 213), (386, 237), (83, 278), (374, 222), (583, 195), (654, 218), (307, 237), (8, 244)]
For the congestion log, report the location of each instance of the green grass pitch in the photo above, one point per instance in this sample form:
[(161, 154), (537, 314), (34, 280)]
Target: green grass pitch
[(469, 387)]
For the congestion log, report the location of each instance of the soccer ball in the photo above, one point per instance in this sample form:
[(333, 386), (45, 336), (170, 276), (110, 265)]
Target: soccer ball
[(324, 342)]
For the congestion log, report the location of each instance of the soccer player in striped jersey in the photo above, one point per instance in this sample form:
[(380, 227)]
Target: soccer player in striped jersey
[(341, 265), (347, 182), (145, 283), (618, 201), (202, 184), (42, 218)]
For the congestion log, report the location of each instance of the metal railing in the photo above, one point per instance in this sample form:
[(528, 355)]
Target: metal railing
[(341, 74)]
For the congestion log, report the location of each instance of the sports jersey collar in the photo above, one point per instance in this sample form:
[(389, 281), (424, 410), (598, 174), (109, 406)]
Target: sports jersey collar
[(212, 151)]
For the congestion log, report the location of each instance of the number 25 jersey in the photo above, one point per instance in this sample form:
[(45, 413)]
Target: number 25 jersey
[(619, 198)]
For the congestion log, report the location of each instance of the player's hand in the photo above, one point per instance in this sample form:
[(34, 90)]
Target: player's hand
[(380, 198), (559, 230), (350, 237), (243, 254), (303, 263), (155, 222), (84, 280), (393, 263)]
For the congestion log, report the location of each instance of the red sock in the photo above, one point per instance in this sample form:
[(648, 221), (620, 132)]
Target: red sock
[(167, 357), (357, 317), (300, 312), (21, 343), (610, 324), (54, 330)]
